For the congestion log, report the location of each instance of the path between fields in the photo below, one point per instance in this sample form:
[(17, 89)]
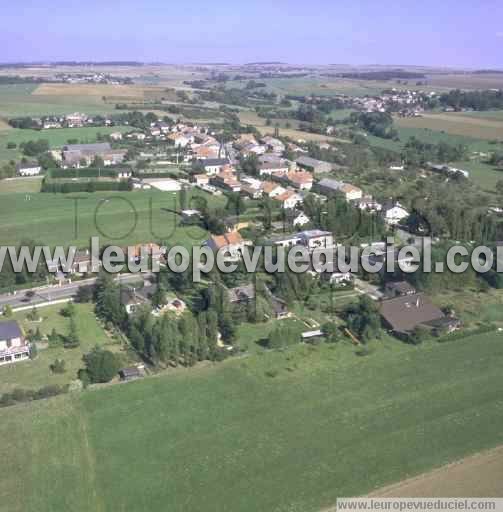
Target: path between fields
[(479, 475)]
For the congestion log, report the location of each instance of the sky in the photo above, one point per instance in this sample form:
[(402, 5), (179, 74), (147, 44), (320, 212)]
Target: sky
[(452, 33)]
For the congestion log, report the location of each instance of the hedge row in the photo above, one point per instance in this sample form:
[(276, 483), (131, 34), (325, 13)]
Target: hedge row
[(18, 395), (91, 186), (467, 333), (88, 172)]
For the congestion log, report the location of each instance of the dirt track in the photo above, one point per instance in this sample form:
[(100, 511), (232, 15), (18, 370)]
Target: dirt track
[(478, 476)]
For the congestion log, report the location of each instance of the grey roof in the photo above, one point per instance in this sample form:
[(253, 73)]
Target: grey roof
[(242, 293), (27, 165), (401, 287), (10, 330), (214, 161), (311, 162), (331, 183), (405, 313), (97, 147)]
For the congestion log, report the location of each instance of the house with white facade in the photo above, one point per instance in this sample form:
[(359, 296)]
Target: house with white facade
[(13, 345)]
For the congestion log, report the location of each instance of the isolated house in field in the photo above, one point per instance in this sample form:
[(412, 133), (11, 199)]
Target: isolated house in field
[(131, 373), (28, 169), (405, 313), (313, 165), (13, 345)]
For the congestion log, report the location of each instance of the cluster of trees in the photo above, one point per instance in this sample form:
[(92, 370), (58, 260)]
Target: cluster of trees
[(338, 216), (19, 395), (384, 75), (34, 148), (416, 153), (10, 279), (68, 187), (379, 124), (476, 100)]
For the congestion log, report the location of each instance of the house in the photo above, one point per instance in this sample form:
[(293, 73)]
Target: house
[(232, 243), (279, 308), (272, 189), (206, 152), (289, 199), (301, 220), (114, 157), (275, 145), (351, 193), (329, 186), (201, 179), (368, 203), (181, 140), (301, 180), (28, 169), (317, 239), (75, 120), (213, 166), (340, 278), (252, 192), (312, 239), (74, 154), (13, 345), (394, 214), (131, 373), (276, 166), (241, 294), (313, 165), (116, 136), (405, 313), (394, 289)]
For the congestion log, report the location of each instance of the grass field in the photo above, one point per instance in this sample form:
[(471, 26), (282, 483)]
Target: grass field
[(468, 126), (119, 218), (56, 137), (35, 374), (231, 438), (20, 185)]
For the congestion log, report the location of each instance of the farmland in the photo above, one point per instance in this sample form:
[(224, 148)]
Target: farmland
[(120, 218), (327, 424), (457, 124)]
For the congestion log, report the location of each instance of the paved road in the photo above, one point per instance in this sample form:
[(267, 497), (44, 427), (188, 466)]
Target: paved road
[(53, 293)]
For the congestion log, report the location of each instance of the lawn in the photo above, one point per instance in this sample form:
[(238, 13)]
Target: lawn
[(232, 437), (20, 185), (455, 124), (118, 218), (35, 374)]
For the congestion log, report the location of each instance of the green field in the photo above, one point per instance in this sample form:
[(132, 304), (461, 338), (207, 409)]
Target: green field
[(18, 100), (20, 185), (231, 438), (56, 137), (117, 217), (36, 374)]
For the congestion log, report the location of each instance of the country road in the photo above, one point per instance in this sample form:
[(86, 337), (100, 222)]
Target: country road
[(56, 292)]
